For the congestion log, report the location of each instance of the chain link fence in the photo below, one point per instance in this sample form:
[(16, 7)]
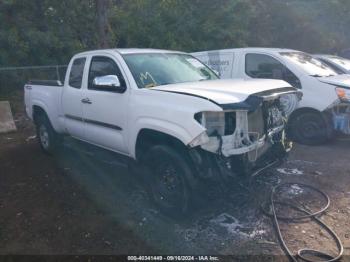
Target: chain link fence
[(12, 79)]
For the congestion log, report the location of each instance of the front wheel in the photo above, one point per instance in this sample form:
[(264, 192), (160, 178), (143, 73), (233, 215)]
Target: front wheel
[(309, 129), (169, 180)]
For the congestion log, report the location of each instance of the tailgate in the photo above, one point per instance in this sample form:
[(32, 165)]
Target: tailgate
[(28, 99)]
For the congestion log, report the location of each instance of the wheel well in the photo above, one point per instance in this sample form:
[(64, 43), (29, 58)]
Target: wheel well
[(325, 116), (149, 137), (38, 111)]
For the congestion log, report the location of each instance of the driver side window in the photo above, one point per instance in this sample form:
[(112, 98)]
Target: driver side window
[(267, 67), (102, 66)]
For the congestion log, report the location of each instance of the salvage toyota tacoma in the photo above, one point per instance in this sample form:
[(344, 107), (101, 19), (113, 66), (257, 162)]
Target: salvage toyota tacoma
[(167, 112)]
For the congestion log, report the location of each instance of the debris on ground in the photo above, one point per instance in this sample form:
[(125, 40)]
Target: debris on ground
[(30, 138), (290, 171), (294, 190), (227, 221)]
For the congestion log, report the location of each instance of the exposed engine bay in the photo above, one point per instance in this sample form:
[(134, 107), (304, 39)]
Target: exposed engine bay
[(235, 132), (242, 140)]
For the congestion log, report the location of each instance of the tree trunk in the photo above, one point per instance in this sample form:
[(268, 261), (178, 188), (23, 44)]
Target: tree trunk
[(102, 23)]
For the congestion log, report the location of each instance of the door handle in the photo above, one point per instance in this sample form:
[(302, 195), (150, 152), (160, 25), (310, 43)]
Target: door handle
[(86, 101)]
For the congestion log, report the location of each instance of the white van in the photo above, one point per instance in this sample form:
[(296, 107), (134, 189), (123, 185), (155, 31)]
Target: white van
[(339, 64), (325, 106)]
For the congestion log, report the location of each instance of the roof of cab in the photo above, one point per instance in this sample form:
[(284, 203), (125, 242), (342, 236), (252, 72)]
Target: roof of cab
[(124, 51), (252, 49)]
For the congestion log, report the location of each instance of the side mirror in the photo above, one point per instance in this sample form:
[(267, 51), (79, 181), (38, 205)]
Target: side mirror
[(108, 83)]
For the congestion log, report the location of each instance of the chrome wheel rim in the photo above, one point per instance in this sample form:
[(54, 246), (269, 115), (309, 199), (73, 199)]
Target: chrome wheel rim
[(44, 137)]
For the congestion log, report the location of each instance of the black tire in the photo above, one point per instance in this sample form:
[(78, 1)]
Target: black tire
[(309, 129), (48, 139), (169, 179)]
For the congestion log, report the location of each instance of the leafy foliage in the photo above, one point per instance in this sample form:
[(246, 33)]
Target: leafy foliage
[(41, 32), (291, 24), (184, 25)]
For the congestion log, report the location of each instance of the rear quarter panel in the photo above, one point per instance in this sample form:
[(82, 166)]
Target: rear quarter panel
[(49, 99)]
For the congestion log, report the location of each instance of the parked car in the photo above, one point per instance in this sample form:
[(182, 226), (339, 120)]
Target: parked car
[(325, 106), (339, 64), (168, 112)]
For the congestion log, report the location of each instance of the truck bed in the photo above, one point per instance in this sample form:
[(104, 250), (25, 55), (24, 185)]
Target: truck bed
[(47, 94)]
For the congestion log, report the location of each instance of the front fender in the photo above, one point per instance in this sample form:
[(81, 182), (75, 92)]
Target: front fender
[(184, 134)]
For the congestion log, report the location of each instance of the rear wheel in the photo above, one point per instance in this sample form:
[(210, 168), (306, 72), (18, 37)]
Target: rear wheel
[(48, 139), (309, 129), (169, 180)]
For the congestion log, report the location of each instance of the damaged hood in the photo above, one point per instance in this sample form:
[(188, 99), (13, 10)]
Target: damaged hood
[(338, 80), (228, 91)]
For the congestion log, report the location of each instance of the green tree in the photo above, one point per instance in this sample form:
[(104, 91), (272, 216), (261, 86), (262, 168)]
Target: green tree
[(289, 24), (181, 24), (40, 32)]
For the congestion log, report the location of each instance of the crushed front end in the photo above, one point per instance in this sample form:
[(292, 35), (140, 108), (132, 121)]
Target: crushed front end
[(244, 137)]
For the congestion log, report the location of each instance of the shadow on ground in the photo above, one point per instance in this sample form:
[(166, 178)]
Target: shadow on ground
[(85, 201)]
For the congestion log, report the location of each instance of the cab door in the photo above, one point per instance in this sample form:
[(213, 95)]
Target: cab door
[(105, 110), (71, 99)]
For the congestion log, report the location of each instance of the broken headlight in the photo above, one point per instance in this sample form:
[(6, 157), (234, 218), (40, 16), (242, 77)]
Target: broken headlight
[(289, 102), (227, 132), (214, 122), (274, 117), (199, 140)]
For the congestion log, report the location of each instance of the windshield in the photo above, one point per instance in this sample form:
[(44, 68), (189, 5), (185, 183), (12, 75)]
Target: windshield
[(155, 69), (309, 64), (340, 61)]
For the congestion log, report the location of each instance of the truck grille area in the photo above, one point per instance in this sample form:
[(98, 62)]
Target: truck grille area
[(241, 131), (230, 123), (256, 123), (261, 121)]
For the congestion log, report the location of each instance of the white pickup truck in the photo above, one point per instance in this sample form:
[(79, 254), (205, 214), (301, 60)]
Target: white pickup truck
[(167, 111), (325, 106)]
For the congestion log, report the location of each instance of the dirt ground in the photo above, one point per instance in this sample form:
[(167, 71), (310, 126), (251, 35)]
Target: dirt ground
[(83, 202)]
